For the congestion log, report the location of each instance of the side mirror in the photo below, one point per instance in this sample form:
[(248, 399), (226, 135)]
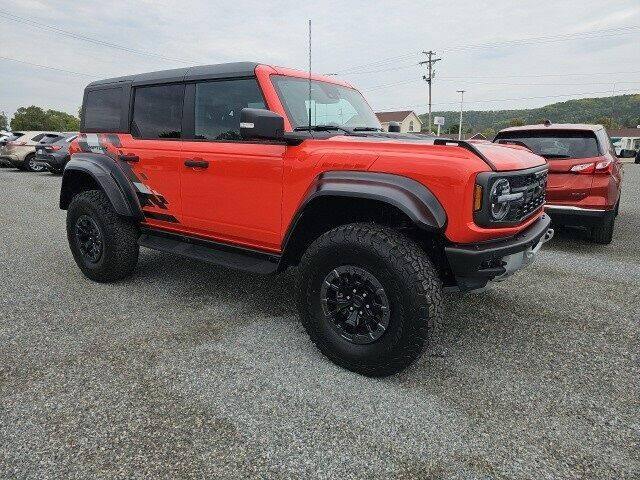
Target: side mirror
[(394, 127), (627, 153), (260, 123)]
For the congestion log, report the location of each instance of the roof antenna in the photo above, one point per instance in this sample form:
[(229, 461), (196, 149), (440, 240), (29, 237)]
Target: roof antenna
[(309, 74)]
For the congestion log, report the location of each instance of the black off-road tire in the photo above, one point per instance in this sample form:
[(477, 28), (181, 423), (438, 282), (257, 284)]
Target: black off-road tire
[(119, 238), (411, 283), (603, 233)]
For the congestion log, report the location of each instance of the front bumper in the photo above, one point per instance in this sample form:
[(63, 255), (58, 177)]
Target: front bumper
[(577, 216), (474, 265)]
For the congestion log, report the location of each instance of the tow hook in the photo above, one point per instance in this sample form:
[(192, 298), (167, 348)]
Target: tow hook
[(545, 238)]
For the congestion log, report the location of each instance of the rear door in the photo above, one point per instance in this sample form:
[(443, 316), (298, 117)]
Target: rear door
[(231, 188), (151, 153)]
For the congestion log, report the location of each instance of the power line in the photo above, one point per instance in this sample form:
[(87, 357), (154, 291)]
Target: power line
[(51, 29), (603, 33), (406, 82), (520, 98), (48, 68), (381, 62)]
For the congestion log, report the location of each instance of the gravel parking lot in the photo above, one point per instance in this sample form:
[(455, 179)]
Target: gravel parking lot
[(188, 370)]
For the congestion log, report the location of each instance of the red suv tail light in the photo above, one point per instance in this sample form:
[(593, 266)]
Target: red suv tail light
[(605, 166), (584, 168)]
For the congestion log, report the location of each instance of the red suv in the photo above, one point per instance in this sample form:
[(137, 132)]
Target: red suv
[(262, 168), (584, 173)]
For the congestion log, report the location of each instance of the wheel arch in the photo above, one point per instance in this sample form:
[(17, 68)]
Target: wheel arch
[(87, 171), (336, 198)]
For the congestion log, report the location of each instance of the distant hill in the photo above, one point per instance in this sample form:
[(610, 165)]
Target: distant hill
[(614, 112)]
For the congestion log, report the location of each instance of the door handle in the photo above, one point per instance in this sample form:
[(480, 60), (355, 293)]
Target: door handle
[(129, 158), (196, 163)]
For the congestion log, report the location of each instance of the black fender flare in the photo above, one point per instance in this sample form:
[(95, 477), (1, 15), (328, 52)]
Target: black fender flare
[(104, 170), (406, 194)]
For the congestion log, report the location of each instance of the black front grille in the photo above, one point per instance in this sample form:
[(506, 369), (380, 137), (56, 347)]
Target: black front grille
[(533, 186)]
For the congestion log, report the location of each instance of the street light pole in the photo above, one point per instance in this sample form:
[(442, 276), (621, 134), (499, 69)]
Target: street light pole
[(461, 92)]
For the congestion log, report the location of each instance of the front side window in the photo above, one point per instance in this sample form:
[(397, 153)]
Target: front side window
[(330, 104), (157, 112), (218, 105), (102, 110), (556, 143)]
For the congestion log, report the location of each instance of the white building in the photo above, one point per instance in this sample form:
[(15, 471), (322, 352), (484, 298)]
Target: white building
[(408, 120)]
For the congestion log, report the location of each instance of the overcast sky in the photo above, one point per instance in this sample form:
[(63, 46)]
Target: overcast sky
[(505, 54)]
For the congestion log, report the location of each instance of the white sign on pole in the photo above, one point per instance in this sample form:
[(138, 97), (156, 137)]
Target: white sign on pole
[(438, 120)]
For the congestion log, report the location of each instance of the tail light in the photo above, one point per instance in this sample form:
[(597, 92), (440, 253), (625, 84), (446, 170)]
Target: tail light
[(53, 148), (584, 168), (605, 166)]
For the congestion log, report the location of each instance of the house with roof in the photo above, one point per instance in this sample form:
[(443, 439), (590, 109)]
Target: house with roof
[(408, 120), (625, 138)]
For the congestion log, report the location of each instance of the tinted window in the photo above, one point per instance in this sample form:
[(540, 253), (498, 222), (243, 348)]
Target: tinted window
[(38, 137), (50, 139), (157, 111), (218, 105), (556, 143), (102, 110)]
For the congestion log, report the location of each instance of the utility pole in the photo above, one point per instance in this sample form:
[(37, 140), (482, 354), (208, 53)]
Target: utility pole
[(429, 77), (461, 92)]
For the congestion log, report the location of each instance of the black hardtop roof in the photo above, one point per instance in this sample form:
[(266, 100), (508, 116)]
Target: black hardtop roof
[(202, 72)]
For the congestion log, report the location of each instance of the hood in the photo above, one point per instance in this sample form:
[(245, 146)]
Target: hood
[(501, 157)]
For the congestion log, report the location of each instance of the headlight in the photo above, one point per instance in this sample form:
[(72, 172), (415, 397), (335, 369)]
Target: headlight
[(499, 207)]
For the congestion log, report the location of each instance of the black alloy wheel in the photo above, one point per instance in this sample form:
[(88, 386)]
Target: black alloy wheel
[(356, 304), (90, 239)]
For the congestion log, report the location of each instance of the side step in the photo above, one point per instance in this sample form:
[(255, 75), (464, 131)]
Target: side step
[(211, 252)]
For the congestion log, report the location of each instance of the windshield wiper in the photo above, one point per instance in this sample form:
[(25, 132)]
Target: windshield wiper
[(554, 155), (366, 129), (321, 128)]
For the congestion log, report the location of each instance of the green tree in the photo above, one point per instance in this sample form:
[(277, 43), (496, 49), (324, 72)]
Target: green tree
[(608, 122), (35, 118), (489, 133), (516, 122), (3, 121), (29, 118)]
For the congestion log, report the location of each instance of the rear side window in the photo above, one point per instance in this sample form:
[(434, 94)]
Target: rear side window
[(50, 139), (218, 105), (157, 112), (102, 110), (556, 143)]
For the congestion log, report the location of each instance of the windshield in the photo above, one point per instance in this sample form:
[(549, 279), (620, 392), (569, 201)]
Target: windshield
[(331, 105), (555, 143)]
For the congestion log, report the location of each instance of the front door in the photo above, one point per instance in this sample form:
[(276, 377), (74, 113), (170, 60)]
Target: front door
[(231, 189)]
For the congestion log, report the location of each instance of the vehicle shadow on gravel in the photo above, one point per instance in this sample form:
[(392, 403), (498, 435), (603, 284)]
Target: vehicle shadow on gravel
[(196, 282)]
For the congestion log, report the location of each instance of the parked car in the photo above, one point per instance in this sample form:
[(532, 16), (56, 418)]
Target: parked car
[(226, 164), (585, 175), (54, 156), (4, 139), (21, 152)]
